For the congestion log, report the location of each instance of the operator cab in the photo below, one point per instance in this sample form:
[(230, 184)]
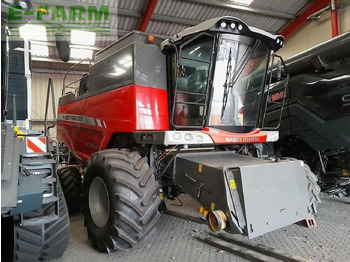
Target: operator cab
[(217, 75)]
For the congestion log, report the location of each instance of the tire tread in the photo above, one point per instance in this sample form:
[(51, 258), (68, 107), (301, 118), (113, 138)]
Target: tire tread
[(40, 242), (71, 182), (134, 203)]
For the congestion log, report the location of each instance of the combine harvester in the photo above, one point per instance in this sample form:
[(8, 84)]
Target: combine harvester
[(156, 118)]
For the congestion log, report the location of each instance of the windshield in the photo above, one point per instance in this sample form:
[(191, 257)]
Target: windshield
[(238, 82)]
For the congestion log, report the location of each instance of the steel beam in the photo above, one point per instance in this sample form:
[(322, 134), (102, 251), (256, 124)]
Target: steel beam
[(302, 18), (56, 60), (177, 20), (60, 72), (53, 44), (248, 9), (147, 14)]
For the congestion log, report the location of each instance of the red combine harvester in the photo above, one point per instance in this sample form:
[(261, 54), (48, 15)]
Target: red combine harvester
[(156, 118)]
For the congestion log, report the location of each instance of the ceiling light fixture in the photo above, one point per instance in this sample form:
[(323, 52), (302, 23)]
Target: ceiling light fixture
[(80, 37), (33, 32), (79, 53), (38, 33)]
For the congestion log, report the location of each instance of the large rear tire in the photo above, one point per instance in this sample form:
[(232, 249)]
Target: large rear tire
[(120, 201), (46, 241), (72, 187)]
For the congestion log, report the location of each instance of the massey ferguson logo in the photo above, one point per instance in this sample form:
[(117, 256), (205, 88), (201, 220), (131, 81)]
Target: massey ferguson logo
[(73, 118), (278, 96), (232, 139), (242, 140)]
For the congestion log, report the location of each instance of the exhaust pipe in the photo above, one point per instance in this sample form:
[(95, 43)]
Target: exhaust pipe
[(216, 220)]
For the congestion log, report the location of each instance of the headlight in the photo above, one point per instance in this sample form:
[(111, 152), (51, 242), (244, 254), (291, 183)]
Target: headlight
[(177, 136), (186, 138)]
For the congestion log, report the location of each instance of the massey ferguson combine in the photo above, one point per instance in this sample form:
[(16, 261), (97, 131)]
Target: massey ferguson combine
[(156, 118)]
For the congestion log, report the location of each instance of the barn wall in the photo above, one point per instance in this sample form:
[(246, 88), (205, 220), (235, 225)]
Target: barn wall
[(317, 31), (39, 93)]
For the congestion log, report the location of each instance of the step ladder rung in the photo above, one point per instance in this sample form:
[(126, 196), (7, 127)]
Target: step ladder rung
[(39, 220)]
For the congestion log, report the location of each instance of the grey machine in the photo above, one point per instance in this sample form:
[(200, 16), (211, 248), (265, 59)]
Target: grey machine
[(315, 123), (34, 215)]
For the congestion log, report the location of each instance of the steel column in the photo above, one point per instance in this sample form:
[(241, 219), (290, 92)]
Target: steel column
[(334, 18), (302, 19), (147, 14)]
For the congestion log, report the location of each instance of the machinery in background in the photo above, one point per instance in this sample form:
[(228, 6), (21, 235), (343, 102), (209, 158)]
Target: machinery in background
[(315, 125), (159, 117), (34, 214)]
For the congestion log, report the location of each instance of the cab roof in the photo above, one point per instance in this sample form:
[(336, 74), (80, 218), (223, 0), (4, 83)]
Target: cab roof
[(233, 25)]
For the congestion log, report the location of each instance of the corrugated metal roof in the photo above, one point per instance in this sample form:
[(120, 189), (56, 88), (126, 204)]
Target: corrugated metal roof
[(202, 12), (127, 23), (135, 5), (126, 16), (286, 6), (164, 28)]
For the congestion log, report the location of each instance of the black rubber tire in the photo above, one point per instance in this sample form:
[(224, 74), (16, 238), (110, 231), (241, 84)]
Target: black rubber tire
[(6, 239), (348, 190), (46, 241), (72, 187), (312, 186), (133, 199), (313, 189)]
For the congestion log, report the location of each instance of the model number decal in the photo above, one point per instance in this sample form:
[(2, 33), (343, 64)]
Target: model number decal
[(242, 140), (73, 118), (82, 120)]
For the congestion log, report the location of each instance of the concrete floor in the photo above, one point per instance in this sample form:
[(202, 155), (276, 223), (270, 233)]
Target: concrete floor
[(175, 238)]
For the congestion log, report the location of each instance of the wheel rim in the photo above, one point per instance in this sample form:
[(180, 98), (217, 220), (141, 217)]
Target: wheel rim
[(99, 202)]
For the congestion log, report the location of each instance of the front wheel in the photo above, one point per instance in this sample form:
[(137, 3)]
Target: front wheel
[(120, 201)]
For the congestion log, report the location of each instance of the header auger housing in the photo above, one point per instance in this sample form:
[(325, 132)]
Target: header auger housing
[(179, 115)]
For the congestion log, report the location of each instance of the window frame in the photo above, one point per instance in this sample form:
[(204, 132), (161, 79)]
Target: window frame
[(174, 85)]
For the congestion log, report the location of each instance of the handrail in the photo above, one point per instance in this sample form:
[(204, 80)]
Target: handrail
[(286, 84), (69, 70), (50, 89)]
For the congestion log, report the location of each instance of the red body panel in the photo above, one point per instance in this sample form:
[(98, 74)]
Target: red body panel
[(87, 125), (221, 137)]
